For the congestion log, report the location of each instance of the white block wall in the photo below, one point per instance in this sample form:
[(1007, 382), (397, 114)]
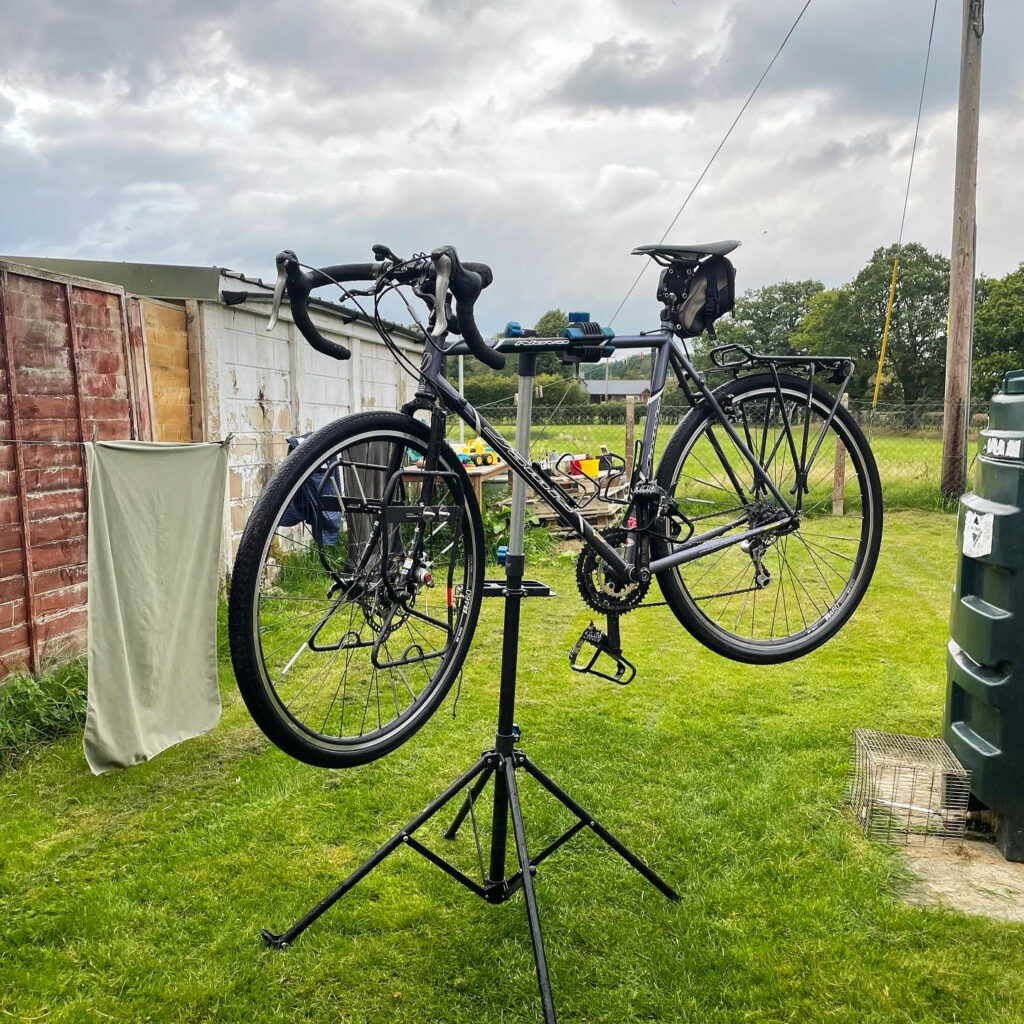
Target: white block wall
[(262, 387)]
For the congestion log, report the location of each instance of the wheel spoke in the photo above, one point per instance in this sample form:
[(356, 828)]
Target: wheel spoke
[(346, 663), (816, 561)]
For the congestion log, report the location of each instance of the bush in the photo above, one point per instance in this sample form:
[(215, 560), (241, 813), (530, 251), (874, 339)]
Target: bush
[(35, 710), (491, 389), (537, 540), (614, 412)]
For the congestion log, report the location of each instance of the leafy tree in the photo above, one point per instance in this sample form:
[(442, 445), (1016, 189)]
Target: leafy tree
[(498, 388), (987, 374), (635, 367), (998, 332), (829, 329), (490, 387), (560, 388), (917, 333), (850, 320), (765, 319), (551, 324)]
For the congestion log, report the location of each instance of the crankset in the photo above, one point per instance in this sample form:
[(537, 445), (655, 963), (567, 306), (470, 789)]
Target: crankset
[(599, 587)]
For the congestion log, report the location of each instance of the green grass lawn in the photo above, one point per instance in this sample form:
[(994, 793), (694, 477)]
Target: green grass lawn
[(910, 467), (139, 896)]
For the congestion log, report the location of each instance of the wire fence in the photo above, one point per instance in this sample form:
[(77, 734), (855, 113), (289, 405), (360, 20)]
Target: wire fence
[(906, 439), (907, 444)]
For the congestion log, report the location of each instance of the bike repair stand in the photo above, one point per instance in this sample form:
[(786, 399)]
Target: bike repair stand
[(502, 762)]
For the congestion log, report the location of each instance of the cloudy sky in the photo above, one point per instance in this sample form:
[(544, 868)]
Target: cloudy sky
[(545, 137)]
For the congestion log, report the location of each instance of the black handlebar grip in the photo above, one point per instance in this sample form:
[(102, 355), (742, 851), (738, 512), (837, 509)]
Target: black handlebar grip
[(301, 284), (474, 339), (342, 272), (485, 272), (298, 299)]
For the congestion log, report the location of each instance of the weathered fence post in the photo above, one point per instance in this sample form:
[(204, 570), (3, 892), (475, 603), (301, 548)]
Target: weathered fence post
[(839, 479), (630, 423)]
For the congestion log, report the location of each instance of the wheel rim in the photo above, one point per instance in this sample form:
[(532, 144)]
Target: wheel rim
[(793, 582), (352, 644)]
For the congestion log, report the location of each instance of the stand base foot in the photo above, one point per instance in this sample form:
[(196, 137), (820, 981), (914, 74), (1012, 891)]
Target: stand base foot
[(273, 940), (503, 768)]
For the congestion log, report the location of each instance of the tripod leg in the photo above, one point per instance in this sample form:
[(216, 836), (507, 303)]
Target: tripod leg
[(285, 939), (519, 831), (471, 797), (597, 828)]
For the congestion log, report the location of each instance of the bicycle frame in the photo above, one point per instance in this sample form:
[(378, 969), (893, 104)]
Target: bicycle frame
[(668, 353)]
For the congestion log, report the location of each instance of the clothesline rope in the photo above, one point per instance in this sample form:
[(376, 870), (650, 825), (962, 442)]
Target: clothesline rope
[(248, 435)]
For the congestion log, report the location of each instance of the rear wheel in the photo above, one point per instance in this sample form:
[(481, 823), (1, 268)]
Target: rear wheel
[(790, 588), (353, 600)]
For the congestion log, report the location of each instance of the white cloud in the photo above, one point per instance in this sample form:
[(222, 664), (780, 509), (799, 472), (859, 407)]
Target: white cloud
[(546, 137)]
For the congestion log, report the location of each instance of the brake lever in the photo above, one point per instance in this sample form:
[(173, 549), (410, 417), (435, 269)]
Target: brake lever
[(443, 273), (282, 260)]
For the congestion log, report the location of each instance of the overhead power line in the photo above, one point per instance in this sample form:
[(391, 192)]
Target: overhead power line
[(917, 127), (903, 217), (718, 149)]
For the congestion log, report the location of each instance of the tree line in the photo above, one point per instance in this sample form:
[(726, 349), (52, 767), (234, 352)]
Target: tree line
[(805, 317)]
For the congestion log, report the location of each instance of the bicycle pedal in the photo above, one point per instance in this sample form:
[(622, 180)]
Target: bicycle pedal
[(625, 670)]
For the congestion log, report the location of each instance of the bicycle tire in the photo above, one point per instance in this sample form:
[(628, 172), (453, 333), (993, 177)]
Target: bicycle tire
[(692, 609), (257, 562)]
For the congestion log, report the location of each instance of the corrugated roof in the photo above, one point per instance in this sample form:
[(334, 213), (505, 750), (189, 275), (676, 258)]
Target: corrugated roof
[(617, 387), (178, 282), (155, 280)]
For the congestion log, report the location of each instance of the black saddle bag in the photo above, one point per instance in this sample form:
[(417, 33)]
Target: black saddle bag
[(712, 293)]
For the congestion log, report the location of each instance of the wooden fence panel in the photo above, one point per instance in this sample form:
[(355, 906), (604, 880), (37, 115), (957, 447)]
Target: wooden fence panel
[(67, 375), (167, 349)]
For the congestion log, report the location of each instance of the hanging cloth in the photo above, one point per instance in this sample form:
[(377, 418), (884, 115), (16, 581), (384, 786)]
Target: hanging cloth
[(156, 513)]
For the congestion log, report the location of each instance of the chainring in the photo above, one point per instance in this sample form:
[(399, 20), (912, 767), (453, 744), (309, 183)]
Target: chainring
[(599, 588)]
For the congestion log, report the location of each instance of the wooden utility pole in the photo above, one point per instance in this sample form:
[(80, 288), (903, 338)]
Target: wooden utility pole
[(961, 264)]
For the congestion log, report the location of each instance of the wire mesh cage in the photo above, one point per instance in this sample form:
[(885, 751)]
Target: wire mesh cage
[(908, 790)]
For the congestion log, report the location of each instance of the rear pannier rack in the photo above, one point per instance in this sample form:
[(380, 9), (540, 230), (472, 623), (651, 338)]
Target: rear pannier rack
[(735, 356)]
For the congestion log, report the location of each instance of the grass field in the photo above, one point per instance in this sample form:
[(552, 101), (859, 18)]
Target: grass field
[(909, 466), (139, 896)]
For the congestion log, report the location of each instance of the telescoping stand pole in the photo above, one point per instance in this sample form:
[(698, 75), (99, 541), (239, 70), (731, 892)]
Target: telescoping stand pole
[(501, 764)]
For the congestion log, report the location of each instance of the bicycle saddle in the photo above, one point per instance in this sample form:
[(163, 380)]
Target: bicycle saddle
[(690, 252)]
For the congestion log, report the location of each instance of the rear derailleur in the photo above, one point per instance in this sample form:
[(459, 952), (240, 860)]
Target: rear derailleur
[(756, 548)]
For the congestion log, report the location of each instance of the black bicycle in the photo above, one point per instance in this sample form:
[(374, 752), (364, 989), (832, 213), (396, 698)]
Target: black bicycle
[(358, 582)]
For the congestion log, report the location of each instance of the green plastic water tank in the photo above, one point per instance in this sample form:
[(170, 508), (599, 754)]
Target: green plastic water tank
[(984, 715)]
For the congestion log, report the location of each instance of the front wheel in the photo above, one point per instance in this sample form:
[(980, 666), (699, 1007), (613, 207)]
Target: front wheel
[(354, 597), (791, 586)]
